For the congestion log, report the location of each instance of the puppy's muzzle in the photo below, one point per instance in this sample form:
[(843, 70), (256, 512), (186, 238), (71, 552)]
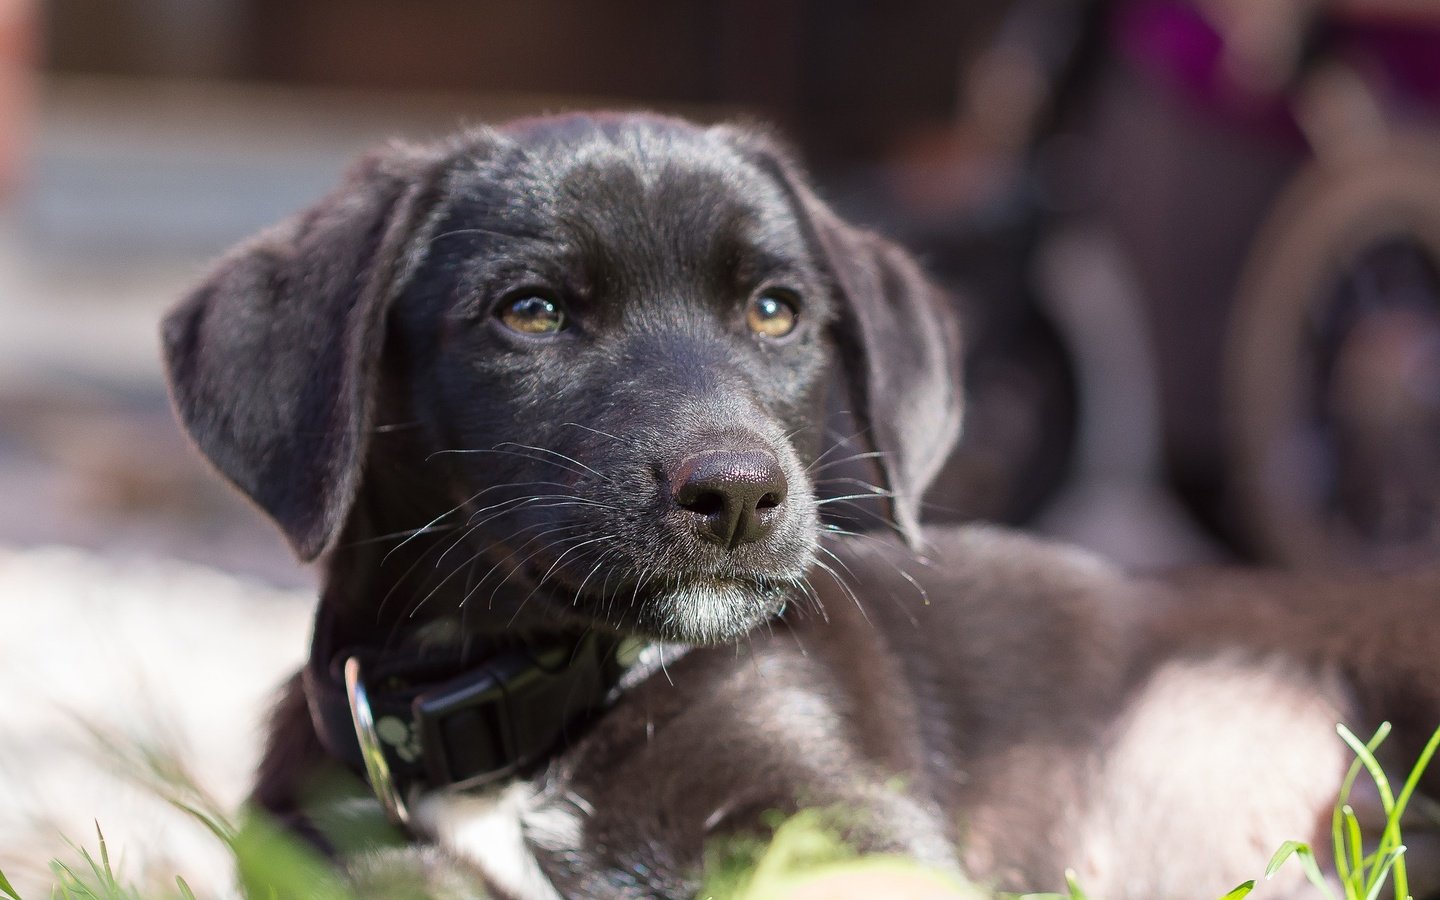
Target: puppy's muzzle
[(731, 497)]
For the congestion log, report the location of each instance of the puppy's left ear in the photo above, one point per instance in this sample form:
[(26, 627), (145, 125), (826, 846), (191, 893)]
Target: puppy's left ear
[(898, 336)]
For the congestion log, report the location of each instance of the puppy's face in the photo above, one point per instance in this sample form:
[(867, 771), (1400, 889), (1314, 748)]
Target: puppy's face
[(616, 342), (582, 361)]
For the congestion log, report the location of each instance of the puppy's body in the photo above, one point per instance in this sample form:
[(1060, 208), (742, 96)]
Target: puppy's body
[(1020, 711), (572, 377), (1029, 706)]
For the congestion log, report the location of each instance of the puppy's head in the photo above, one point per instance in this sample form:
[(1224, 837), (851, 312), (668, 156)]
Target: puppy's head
[(592, 353)]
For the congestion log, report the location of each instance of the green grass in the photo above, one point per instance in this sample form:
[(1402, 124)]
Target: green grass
[(269, 864), (804, 850), (1362, 873), (807, 849)]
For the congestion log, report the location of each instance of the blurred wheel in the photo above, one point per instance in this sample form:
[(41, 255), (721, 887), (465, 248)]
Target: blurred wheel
[(1333, 368)]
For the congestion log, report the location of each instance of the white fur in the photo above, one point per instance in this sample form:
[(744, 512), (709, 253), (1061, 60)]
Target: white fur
[(1214, 764), (1201, 727), (701, 612), (494, 830)]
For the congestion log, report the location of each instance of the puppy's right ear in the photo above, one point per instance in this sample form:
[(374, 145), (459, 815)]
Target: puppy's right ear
[(272, 359)]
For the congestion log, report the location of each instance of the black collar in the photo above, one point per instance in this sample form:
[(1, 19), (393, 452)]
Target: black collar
[(425, 719)]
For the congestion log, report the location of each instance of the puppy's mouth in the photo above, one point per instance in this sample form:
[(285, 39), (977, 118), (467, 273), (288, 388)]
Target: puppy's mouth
[(710, 611), (709, 552), (689, 608)]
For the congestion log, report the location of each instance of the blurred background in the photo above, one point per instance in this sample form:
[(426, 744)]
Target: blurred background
[(1195, 239), (1195, 243)]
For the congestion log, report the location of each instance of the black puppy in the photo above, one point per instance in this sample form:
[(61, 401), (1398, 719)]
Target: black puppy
[(539, 391)]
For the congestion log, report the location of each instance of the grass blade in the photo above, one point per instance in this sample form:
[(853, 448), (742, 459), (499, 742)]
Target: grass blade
[(1392, 824), (1382, 869), (1390, 839), (70, 883), (270, 864), (1287, 850), (7, 889), (1351, 869), (1240, 891), (1306, 857), (1337, 833), (1365, 753), (1355, 843), (104, 852)]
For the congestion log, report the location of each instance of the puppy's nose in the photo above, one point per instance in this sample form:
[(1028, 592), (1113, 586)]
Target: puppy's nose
[(736, 494)]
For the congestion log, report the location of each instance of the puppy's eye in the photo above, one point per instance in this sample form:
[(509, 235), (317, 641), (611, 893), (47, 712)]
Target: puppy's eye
[(532, 315), (772, 315)]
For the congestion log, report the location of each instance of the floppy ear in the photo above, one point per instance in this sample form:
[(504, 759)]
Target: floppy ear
[(898, 337), (272, 359), (900, 348)]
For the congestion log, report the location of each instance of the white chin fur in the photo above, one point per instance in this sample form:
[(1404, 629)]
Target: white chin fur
[(710, 613)]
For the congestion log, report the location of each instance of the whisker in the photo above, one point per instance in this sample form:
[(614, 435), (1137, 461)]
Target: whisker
[(844, 586), (543, 578), (459, 506), (521, 565), (947, 510), (452, 511), (556, 453), (460, 232), (882, 494), (840, 441), (854, 457), (509, 535), (599, 561), (410, 570), (463, 567), (754, 658), (550, 501), (561, 558), (839, 531), (515, 552), (497, 449), (503, 507), (790, 435), (919, 588), (467, 566), (639, 583), (877, 489), (816, 605), (824, 453), (838, 561), (886, 521), (516, 485), (924, 594), (408, 533), (605, 434)]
